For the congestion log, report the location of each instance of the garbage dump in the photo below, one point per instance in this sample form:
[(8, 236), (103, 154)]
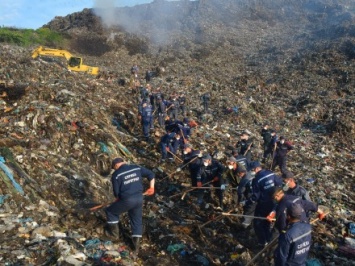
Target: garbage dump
[(60, 131)]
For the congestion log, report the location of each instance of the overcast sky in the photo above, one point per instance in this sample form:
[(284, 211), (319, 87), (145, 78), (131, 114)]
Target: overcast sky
[(32, 14)]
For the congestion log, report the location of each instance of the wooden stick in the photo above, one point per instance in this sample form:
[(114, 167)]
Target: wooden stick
[(183, 196), (249, 216), (175, 156)]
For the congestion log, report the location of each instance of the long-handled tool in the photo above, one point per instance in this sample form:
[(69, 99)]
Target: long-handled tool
[(273, 243), (219, 217), (272, 159), (248, 216), (191, 189), (95, 208), (175, 156)]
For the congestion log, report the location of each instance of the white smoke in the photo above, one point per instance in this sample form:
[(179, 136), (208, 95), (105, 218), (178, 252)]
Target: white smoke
[(105, 9)]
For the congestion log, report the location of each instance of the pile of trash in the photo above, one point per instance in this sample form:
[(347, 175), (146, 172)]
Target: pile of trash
[(60, 130)]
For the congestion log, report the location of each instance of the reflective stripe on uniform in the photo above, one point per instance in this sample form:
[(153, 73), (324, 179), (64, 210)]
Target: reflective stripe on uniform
[(134, 169), (265, 177), (301, 236)]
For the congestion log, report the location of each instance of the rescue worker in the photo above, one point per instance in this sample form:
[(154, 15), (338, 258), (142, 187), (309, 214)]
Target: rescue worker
[(135, 70), (186, 129), (127, 185), (241, 159), (294, 244), (282, 149), (263, 185), (266, 134), (166, 146), (205, 101), (193, 160), (283, 202), (232, 176), (271, 146), (292, 188), (212, 170), (245, 191), (146, 119), (161, 108), (174, 108), (245, 145), (182, 103)]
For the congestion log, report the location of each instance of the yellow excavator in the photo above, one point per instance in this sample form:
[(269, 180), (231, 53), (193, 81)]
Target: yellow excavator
[(74, 63)]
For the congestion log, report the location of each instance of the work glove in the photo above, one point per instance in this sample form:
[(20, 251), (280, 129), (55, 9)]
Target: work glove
[(167, 149), (242, 203), (199, 184), (271, 216), (223, 187), (200, 155), (149, 191), (178, 169), (321, 216), (215, 179)]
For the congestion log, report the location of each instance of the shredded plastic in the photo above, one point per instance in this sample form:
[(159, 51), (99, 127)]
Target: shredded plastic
[(7, 171)]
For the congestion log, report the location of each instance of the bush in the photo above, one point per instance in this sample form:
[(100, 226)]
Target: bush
[(26, 37)]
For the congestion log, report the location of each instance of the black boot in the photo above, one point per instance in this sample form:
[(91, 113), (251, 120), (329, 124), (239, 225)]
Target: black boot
[(136, 244), (112, 231)]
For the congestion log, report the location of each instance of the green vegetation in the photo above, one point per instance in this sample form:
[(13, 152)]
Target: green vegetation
[(26, 37)]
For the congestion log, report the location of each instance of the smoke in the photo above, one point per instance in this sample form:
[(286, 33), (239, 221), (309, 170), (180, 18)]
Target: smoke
[(105, 9), (153, 20)]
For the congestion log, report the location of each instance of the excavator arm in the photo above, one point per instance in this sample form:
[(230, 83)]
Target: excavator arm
[(74, 63)]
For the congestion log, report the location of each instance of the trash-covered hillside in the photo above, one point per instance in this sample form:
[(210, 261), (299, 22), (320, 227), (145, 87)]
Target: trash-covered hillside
[(287, 64)]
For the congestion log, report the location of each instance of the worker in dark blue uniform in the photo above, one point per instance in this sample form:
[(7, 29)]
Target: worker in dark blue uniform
[(263, 187), (174, 108), (206, 97), (266, 135), (161, 110), (245, 191), (284, 202), (282, 149), (185, 129), (211, 171), (193, 160), (245, 146), (270, 150), (182, 103), (127, 187), (146, 118), (292, 188), (166, 146), (294, 244), (241, 159)]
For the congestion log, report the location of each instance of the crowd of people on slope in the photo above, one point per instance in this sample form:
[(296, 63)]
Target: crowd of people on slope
[(268, 201)]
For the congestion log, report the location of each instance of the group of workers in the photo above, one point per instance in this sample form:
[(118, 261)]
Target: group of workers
[(268, 200)]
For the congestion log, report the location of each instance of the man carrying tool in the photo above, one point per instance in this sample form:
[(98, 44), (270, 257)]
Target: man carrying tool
[(127, 185), (166, 146), (292, 188), (283, 202), (263, 187), (244, 145), (212, 170), (232, 176), (295, 243), (245, 191), (193, 159), (282, 149)]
